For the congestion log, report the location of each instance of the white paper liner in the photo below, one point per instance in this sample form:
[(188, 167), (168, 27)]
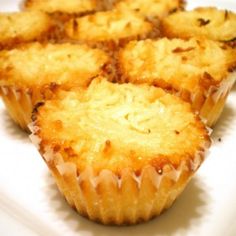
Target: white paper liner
[(18, 103), (102, 197), (225, 87), (215, 101), (35, 140)]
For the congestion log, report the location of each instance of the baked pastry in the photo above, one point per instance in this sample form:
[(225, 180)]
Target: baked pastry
[(29, 73), (120, 153), (151, 8), (22, 27), (209, 22), (201, 71), (109, 28)]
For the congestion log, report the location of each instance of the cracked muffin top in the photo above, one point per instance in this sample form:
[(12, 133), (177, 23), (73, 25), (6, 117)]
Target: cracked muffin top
[(116, 126)]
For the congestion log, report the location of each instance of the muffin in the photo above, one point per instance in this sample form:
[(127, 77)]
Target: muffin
[(31, 72), (22, 27), (109, 28), (199, 70), (120, 153), (209, 22), (151, 8)]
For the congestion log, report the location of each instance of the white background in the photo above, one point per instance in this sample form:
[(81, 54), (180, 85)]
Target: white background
[(31, 205)]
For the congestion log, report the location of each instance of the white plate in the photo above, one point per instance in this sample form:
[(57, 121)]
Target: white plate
[(31, 205)]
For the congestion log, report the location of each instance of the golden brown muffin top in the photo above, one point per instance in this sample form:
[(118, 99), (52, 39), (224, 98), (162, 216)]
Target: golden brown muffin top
[(105, 26), (192, 64), (118, 126), (65, 6), (151, 8), (23, 26), (209, 22), (36, 64)]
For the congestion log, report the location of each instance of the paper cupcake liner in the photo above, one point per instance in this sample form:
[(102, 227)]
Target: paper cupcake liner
[(215, 100), (19, 104), (21, 101), (121, 199)]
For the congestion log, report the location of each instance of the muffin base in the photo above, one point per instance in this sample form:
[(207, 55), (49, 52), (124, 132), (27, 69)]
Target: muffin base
[(123, 199)]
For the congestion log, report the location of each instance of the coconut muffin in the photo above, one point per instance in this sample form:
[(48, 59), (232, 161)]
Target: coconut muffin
[(22, 27), (151, 8), (120, 153), (201, 71), (109, 28), (209, 22), (30, 73)]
